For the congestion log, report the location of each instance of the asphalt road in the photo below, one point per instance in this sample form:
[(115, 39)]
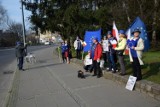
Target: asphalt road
[(7, 56)]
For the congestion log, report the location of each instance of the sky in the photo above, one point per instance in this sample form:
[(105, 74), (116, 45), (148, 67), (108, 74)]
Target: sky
[(14, 12)]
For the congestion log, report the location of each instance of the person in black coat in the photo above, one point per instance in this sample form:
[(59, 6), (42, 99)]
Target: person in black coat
[(20, 54)]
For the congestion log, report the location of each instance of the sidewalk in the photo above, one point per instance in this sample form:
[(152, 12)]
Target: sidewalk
[(6, 80), (49, 83)]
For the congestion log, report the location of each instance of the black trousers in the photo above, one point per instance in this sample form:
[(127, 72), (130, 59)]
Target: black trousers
[(105, 57), (20, 63), (63, 57), (97, 69), (136, 68), (88, 67), (78, 54)]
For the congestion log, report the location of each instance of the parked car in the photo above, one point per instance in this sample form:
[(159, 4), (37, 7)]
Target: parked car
[(47, 43)]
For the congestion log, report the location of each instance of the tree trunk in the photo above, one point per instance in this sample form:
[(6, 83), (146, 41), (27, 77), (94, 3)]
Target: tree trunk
[(154, 24), (126, 10)]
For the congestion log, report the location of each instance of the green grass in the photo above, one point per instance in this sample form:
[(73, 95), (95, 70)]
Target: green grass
[(151, 67)]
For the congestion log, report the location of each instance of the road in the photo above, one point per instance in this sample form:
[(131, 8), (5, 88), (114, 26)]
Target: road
[(7, 56)]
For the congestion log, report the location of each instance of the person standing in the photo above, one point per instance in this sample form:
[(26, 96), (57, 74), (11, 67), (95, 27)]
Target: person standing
[(96, 53), (112, 53), (136, 46), (120, 51), (20, 54), (63, 49), (67, 51), (78, 47), (105, 49)]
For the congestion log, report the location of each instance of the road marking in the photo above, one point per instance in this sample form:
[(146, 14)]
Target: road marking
[(6, 49)]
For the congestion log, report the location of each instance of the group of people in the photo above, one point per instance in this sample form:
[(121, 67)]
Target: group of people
[(65, 51), (109, 49)]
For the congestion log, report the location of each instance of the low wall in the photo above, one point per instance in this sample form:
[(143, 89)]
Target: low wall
[(144, 86)]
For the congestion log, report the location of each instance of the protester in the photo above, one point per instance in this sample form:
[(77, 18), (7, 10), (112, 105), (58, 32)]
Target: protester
[(67, 49), (88, 63), (96, 53), (112, 53), (63, 49), (20, 54), (120, 50), (78, 47), (136, 46), (105, 49)]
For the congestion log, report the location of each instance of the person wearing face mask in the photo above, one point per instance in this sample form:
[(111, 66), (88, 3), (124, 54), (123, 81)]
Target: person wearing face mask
[(120, 50), (136, 46)]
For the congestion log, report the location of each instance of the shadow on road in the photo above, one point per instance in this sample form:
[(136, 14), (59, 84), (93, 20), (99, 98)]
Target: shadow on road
[(42, 66)]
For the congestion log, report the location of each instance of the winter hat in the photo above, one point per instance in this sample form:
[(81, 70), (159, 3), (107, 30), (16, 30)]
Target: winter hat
[(109, 33), (121, 32), (136, 30)]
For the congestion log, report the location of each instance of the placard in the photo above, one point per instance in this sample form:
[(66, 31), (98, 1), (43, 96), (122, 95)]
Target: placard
[(131, 82), (88, 62)]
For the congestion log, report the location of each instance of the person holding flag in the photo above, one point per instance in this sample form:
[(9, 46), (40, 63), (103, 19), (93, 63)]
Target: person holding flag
[(136, 47), (120, 50), (112, 53)]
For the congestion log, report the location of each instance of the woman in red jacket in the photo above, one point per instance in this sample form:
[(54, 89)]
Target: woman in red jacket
[(96, 56)]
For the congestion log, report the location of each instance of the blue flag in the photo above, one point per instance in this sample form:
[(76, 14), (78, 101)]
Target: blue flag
[(89, 35), (139, 24)]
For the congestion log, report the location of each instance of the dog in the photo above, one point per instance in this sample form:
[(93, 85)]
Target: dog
[(81, 74), (30, 58)]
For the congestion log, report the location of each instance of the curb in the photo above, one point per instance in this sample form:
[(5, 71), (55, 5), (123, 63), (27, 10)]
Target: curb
[(149, 88)]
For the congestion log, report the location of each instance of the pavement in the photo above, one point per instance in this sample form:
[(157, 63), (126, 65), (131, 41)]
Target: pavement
[(50, 83)]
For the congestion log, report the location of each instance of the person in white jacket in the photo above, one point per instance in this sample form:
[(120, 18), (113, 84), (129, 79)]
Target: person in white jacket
[(78, 47), (88, 66), (136, 46)]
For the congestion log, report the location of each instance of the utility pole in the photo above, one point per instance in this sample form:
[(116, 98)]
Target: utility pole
[(23, 24)]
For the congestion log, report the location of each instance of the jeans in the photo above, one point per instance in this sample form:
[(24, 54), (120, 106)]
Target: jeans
[(112, 63), (20, 63)]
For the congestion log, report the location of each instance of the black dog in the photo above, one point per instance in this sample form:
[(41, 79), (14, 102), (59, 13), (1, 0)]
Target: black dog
[(81, 74)]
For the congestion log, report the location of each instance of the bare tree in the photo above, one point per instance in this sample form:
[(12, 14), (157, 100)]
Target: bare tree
[(15, 28), (3, 15)]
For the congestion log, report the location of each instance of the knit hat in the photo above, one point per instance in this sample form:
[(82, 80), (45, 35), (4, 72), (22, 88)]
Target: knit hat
[(109, 33), (136, 30), (121, 32)]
